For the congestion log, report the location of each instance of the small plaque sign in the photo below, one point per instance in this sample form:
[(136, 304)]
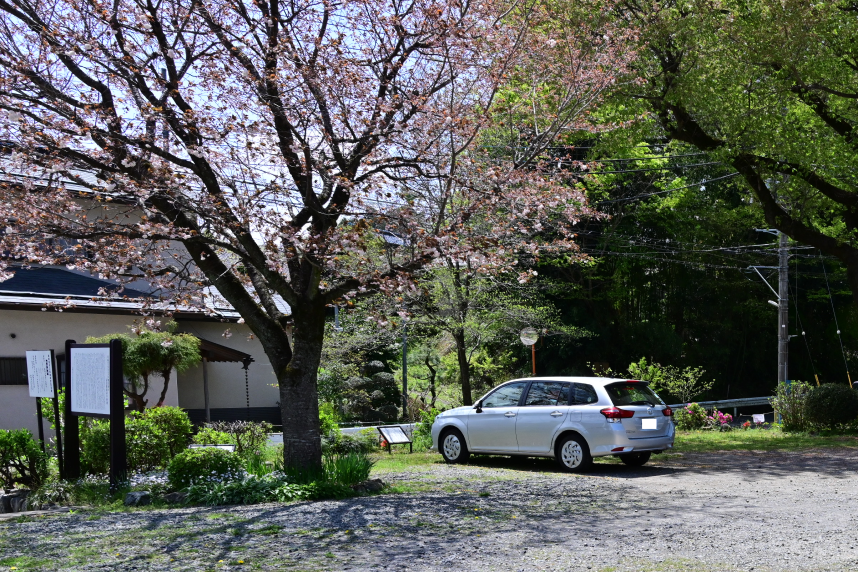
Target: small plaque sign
[(90, 380), (759, 418), (394, 434), (230, 448), (40, 373)]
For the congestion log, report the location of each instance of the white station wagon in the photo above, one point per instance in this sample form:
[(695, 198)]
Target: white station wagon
[(572, 419)]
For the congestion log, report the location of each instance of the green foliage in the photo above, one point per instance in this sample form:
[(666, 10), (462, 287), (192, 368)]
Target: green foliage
[(365, 441), (683, 384), (348, 469), (21, 460), (332, 481), (148, 445), (422, 436), (174, 423), (691, 417), (328, 420), (95, 445), (832, 404), (203, 465), (790, 402), (152, 438), (249, 437), (268, 488), (209, 436)]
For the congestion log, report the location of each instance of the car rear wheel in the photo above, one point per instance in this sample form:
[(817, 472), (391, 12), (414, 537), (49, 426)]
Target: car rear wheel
[(573, 454), (635, 459), (453, 447)]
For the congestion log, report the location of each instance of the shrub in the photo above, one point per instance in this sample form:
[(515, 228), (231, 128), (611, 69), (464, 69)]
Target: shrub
[(21, 460), (349, 469), (175, 425), (365, 441), (832, 404), (328, 420), (422, 436), (790, 402), (208, 436), (152, 438), (249, 437), (269, 488), (718, 421), (95, 446), (147, 445), (690, 417), (203, 465)]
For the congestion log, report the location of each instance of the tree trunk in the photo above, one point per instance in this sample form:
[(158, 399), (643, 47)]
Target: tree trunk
[(299, 401), (464, 367), (432, 375), (166, 375)]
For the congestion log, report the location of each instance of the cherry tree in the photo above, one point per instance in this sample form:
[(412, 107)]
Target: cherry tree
[(255, 149)]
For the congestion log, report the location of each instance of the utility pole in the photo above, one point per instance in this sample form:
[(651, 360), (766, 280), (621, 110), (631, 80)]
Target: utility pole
[(783, 300), (783, 309), (405, 371)]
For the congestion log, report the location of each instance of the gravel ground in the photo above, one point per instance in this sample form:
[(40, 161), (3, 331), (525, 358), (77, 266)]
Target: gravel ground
[(720, 512)]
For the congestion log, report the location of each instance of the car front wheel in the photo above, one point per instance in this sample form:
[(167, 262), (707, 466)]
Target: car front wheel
[(635, 459), (453, 447), (573, 454)]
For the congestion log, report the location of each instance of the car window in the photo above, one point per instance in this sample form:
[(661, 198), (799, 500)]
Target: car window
[(505, 396), (632, 394), (547, 393), (585, 393)]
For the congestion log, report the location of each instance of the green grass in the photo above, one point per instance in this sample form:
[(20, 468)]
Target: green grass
[(758, 440), (402, 460)]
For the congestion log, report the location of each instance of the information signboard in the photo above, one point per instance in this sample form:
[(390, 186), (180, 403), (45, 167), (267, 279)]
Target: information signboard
[(40, 373), (394, 434), (90, 381)]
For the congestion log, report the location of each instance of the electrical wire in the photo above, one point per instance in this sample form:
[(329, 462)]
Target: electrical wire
[(794, 296), (831, 299)]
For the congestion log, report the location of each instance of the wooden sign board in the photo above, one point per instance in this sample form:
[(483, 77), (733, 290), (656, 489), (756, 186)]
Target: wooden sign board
[(394, 434), (40, 373), (90, 380)]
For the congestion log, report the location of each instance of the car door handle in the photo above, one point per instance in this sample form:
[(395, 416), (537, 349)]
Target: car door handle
[(556, 414), (509, 414)]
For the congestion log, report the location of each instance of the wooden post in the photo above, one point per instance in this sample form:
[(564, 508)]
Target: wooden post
[(41, 422), (59, 431), (72, 431), (533, 358), (206, 389), (118, 453)]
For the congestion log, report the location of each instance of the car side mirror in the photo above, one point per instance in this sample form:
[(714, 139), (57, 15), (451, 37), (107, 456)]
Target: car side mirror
[(479, 406)]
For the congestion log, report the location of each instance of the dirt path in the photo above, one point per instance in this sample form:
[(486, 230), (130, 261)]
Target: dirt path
[(726, 511)]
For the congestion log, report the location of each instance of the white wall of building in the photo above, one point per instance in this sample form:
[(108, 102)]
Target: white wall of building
[(49, 330), (226, 380)]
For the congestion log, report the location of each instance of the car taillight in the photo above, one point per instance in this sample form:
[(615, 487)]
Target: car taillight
[(667, 412), (616, 413)]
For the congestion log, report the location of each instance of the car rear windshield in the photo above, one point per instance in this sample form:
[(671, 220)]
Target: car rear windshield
[(632, 393)]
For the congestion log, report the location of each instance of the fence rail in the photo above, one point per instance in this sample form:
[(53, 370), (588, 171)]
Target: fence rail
[(727, 403)]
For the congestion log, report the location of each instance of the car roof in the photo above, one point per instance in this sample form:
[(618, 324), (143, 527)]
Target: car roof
[(601, 381)]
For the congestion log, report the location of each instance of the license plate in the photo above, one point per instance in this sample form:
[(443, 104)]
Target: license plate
[(649, 424)]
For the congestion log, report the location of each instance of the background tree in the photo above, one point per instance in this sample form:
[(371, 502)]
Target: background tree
[(152, 351), (224, 145), (767, 87)]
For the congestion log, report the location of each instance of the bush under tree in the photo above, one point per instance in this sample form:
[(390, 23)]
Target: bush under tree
[(21, 460), (832, 404), (790, 401), (203, 465)]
